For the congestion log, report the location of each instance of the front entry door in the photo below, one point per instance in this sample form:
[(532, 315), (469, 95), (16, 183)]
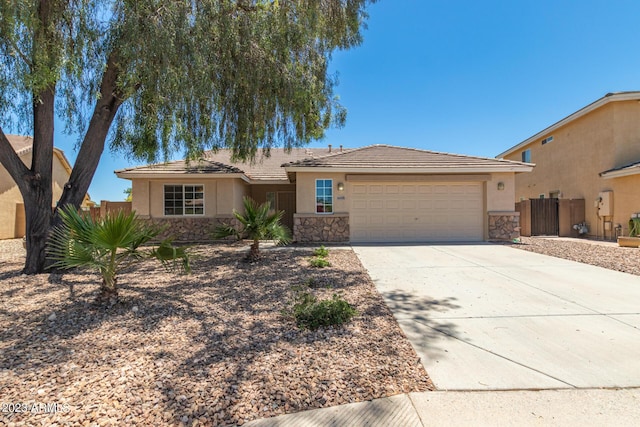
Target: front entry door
[(287, 203)]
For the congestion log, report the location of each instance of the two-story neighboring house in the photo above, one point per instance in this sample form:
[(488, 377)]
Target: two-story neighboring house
[(592, 154), (12, 214)]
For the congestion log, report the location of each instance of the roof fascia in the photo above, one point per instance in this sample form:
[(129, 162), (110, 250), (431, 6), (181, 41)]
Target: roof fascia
[(629, 96), (451, 170), (63, 159), (124, 174), (635, 170)]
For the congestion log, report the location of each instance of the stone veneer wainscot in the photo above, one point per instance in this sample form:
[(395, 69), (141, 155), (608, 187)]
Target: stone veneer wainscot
[(321, 228), (504, 225), (191, 229)]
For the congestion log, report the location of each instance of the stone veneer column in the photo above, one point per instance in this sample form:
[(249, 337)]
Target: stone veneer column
[(504, 225), (321, 228)]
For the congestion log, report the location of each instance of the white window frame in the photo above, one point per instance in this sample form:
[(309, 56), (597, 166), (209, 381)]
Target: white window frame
[(183, 214), (315, 195)]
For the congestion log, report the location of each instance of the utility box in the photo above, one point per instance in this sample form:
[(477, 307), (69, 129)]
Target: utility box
[(605, 207)]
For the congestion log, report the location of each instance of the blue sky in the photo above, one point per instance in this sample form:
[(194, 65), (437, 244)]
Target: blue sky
[(470, 77)]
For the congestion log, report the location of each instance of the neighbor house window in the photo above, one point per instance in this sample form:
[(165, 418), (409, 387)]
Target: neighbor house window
[(184, 199), (547, 140), (324, 196), (526, 156)]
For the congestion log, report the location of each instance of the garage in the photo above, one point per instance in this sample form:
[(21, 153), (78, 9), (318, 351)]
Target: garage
[(384, 193), (416, 211)]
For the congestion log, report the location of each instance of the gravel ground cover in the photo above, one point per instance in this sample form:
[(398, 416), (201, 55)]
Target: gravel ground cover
[(211, 348), (612, 257)]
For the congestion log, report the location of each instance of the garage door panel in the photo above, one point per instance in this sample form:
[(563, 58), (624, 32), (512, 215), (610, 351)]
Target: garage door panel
[(417, 212), (393, 189), (359, 204), (392, 204), (376, 204), (408, 189)]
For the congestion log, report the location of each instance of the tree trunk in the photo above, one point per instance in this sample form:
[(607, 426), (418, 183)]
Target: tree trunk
[(254, 252), (108, 291), (38, 193)]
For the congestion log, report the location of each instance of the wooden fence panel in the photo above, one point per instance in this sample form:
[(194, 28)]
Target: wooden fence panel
[(544, 217)]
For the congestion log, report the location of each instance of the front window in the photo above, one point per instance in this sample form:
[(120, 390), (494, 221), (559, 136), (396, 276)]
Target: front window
[(324, 196), (183, 200), (526, 156)]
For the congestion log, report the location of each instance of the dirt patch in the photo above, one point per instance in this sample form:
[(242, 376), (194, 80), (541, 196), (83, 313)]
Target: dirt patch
[(616, 258), (210, 348)]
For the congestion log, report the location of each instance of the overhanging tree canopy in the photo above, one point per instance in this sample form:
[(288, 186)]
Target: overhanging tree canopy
[(159, 76)]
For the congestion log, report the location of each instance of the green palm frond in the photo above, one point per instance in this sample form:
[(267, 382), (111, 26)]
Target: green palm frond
[(108, 245), (256, 223), (174, 258)]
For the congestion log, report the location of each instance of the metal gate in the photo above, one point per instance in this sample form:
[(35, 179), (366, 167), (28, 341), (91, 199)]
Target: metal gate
[(544, 217)]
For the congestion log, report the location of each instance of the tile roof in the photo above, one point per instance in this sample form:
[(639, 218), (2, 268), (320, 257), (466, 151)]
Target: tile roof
[(21, 144), (387, 157), (630, 169), (262, 169)]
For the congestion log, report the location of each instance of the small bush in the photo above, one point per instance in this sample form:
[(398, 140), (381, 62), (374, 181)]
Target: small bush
[(634, 227), (311, 313), (321, 252), (319, 262)]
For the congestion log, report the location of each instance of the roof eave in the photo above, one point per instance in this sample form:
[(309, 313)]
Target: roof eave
[(382, 171), (625, 96), (125, 174), (621, 173)]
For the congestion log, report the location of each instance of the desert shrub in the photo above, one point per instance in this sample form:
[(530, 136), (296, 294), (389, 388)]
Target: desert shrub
[(634, 227), (319, 262), (321, 252), (314, 283), (311, 313)]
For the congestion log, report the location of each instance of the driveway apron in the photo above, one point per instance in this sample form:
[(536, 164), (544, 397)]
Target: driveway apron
[(492, 317)]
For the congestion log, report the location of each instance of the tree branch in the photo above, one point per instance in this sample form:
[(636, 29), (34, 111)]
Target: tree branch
[(19, 52), (11, 162), (107, 106)]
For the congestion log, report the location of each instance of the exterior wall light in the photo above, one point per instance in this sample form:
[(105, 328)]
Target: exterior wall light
[(340, 186), (501, 186)]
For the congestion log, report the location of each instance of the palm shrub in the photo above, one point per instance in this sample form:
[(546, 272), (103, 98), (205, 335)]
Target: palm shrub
[(109, 245), (256, 224), (634, 227)]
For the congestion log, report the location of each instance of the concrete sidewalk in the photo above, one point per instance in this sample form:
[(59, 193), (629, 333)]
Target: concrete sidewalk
[(593, 407)]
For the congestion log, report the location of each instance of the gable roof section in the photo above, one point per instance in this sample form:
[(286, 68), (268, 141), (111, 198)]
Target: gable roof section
[(631, 169), (392, 159), (21, 144), (610, 97), (24, 145), (264, 169)]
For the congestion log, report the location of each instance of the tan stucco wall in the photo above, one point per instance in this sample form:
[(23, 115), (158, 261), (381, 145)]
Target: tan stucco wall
[(140, 193), (606, 138), (500, 200), (221, 196), (306, 192), (12, 221)]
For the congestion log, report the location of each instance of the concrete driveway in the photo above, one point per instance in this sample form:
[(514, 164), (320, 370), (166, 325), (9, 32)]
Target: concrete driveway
[(491, 317)]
